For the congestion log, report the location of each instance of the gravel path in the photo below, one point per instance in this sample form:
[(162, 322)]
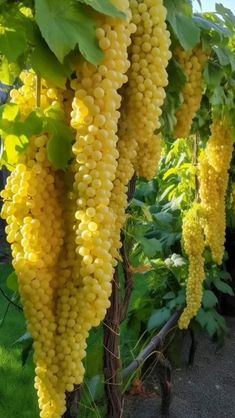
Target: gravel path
[(206, 390)]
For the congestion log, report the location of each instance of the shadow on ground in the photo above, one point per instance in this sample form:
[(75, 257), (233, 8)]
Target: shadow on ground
[(205, 390)]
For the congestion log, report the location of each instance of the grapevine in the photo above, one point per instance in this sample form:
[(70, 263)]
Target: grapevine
[(92, 109)]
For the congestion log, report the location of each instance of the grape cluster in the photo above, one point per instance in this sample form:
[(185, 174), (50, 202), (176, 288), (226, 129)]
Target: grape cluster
[(192, 64), (35, 231), (213, 177), (26, 95), (64, 228), (193, 243)]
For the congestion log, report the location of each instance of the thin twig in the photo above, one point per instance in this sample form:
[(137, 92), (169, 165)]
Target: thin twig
[(38, 91), (10, 301), (152, 346)]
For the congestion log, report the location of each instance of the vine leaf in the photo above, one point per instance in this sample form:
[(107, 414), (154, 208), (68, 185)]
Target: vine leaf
[(12, 282), (64, 25), (105, 7), (158, 318), (184, 28), (45, 64), (59, 147), (209, 299), (12, 44)]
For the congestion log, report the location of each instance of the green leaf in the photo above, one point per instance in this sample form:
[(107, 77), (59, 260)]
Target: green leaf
[(64, 25), (8, 71), (218, 96), (213, 74), (184, 28), (211, 324), (33, 125), (93, 386), (150, 246), (59, 147), (222, 54), (105, 7), (45, 64), (12, 282), (201, 317), (12, 44), (209, 299), (208, 25), (10, 111), (158, 318), (223, 287), (176, 76), (13, 146), (5, 270)]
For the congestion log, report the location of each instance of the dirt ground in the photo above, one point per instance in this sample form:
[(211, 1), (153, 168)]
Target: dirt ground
[(205, 390)]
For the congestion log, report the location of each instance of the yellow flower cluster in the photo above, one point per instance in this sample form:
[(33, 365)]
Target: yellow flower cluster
[(193, 243), (213, 177), (192, 63)]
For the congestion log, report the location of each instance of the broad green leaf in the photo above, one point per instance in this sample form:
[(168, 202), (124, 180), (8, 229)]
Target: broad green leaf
[(176, 76), (213, 74), (208, 25), (218, 97), (227, 15), (211, 324), (12, 282), (95, 352), (209, 299), (222, 54), (64, 25), (10, 111), (201, 317), (8, 71), (12, 44), (45, 64), (13, 146), (59, 151), (105, 7), (59, 147), (93, 386), (5, 271), (158, 318), (33, 125), (150, 246), (185, 30), (223, 287)]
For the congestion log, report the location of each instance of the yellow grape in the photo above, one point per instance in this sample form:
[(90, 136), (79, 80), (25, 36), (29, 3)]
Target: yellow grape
[(25, 96), (35, 231), (213, 177), (192, 63), (141, 107), (95, 117), (193, 242)]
